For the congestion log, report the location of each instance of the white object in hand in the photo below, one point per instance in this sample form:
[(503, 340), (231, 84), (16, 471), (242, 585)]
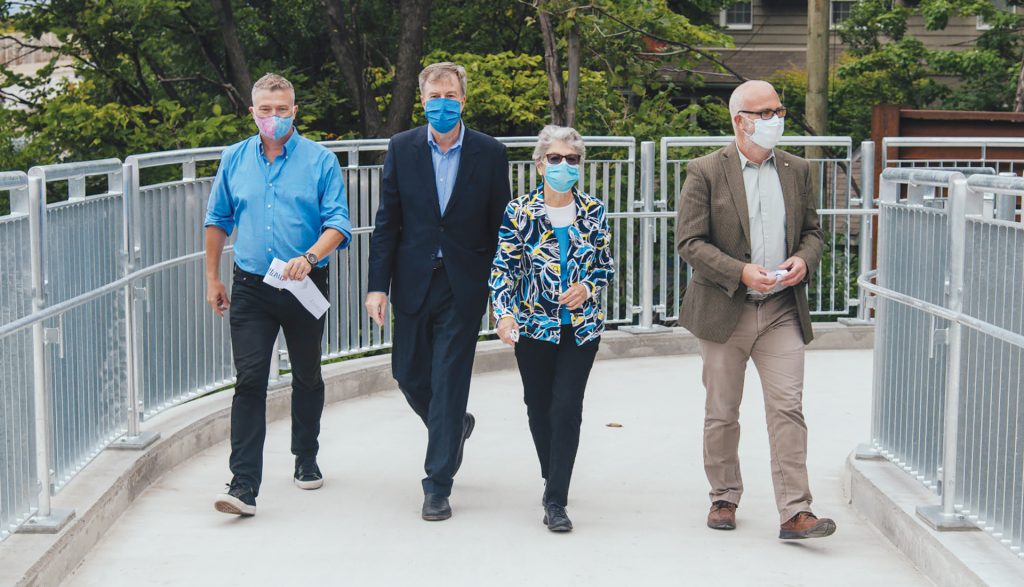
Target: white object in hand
[(780, 273), (304, 290), (514, 335)]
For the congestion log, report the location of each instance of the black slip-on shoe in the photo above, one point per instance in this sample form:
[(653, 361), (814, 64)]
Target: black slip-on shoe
[(436, 508), (468, 423)]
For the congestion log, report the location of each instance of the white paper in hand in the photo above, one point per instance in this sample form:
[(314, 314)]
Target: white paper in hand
[(305, 290)]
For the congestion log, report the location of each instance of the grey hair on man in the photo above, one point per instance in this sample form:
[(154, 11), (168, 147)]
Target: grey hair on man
[(553, 133), (271, 82), (738, 99), (436, 71)]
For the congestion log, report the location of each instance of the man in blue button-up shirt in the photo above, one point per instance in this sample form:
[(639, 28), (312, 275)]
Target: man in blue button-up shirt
[(286, 196)]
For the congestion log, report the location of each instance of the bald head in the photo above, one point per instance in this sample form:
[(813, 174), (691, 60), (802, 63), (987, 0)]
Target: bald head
[(752, 95)]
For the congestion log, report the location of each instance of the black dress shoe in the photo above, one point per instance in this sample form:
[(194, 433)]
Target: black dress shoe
[(468, 423), (556, 518), (436, 508)]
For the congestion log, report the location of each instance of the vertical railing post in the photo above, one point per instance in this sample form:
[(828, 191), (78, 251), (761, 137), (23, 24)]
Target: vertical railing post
[(46, 520), (647, 226), (961, 205), (134, 438), (865, 248)]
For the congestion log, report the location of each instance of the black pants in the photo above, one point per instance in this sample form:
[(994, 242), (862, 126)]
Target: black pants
[(258, 311), (554, 379), (432, 360)]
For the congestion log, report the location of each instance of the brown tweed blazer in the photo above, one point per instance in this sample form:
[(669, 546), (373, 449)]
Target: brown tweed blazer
[(713, 237)]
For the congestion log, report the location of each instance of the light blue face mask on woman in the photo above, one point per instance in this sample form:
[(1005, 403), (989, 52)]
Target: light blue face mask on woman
[(561, 177)]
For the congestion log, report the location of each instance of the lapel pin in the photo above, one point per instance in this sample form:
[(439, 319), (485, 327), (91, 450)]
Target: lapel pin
[(785, 164)]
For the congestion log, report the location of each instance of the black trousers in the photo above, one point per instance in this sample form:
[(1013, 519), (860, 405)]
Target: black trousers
[(258, 311), (432, 361), (554, 380)]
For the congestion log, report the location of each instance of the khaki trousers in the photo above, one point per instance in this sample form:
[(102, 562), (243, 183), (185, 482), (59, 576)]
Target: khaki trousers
[(769, 333)]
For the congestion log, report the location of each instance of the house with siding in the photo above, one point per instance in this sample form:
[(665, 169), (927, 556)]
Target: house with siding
[(771, 35)]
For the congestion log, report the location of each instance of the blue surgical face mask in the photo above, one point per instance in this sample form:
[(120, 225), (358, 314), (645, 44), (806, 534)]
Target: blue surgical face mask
[(443, 113), (561, 177)]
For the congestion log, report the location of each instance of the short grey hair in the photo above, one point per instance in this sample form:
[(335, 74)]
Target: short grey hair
[(436, 71), (738, 99), (271, 82), (553, 133)]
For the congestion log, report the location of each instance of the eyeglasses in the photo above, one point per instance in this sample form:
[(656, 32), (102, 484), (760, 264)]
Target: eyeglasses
[(555, 159), (767, 114)]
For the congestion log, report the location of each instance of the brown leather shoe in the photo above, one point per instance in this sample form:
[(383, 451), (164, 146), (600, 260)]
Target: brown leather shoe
[(806, 525), (722, 515)]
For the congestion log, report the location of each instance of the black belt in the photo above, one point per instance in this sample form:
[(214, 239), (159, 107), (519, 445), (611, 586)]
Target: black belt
[(760, 300), (438, 263), (316, 272)]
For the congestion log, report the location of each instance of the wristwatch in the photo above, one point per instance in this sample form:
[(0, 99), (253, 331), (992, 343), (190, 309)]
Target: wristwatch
[(312, 259)]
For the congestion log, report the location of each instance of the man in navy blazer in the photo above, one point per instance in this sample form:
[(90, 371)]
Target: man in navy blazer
[(443, 193)]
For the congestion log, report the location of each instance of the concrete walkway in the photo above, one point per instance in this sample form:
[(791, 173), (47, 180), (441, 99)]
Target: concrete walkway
[(638, 500)]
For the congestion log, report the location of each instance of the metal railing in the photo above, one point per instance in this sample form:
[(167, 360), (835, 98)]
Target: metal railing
[(949, 344), (103, 321), (954, 153)]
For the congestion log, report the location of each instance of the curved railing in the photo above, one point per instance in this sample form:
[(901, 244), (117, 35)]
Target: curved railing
[(102, 315)]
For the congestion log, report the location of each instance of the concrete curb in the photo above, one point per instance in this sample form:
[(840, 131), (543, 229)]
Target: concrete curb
[(887, 497), (108, 486)]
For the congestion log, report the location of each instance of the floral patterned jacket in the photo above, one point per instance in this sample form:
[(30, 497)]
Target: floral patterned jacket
[(526, 273)]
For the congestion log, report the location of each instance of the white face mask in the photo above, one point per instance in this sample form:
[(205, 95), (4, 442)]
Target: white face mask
[(768, 132)]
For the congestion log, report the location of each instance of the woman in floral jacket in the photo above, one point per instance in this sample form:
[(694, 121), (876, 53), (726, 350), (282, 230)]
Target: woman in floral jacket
[(552, 260)]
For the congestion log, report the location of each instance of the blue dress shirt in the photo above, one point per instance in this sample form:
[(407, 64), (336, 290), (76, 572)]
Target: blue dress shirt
[(280, 208), (446, 168)]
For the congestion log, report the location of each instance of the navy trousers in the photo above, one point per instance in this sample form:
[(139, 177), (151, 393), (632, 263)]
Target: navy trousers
[(258, 311), (432, 361)]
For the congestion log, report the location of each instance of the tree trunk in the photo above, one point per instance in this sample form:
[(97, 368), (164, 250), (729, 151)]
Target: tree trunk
[(572, 91), (556, 87), (237, 64), (1018, 102), (413, 15), (347, 53)]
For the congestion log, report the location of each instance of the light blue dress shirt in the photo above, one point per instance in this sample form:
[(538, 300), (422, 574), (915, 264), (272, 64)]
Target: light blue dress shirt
[(279, 208), (446, 168)]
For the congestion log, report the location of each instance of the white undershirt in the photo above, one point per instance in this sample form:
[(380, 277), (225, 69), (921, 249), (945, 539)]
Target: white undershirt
[(561, 217)]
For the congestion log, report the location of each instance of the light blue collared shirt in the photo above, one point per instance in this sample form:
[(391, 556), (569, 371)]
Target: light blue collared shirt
[(280, 208), (446, 168)]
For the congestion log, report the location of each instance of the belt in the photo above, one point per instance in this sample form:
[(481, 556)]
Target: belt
[(762, 299), (316, 272), (438, 263)]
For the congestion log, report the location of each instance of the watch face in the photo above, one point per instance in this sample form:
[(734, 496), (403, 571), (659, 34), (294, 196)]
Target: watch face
[(311, 258)]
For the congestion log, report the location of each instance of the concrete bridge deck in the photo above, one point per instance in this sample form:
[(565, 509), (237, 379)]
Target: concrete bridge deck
[(638, 498)]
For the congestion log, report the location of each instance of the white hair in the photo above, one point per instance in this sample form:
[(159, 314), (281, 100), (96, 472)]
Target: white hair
[(553, 133), (738, 99)]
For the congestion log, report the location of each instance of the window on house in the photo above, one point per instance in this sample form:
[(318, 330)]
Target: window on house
[(840, 11), (1000, 5), (739, 16)]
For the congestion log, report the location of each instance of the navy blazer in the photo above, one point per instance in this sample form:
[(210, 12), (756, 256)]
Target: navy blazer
[(410, 225)]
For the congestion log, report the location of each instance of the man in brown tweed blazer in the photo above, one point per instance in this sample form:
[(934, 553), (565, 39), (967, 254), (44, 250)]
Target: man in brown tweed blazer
[(748, 227)]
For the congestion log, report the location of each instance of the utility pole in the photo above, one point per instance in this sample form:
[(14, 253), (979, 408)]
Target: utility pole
[(816, 105)]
